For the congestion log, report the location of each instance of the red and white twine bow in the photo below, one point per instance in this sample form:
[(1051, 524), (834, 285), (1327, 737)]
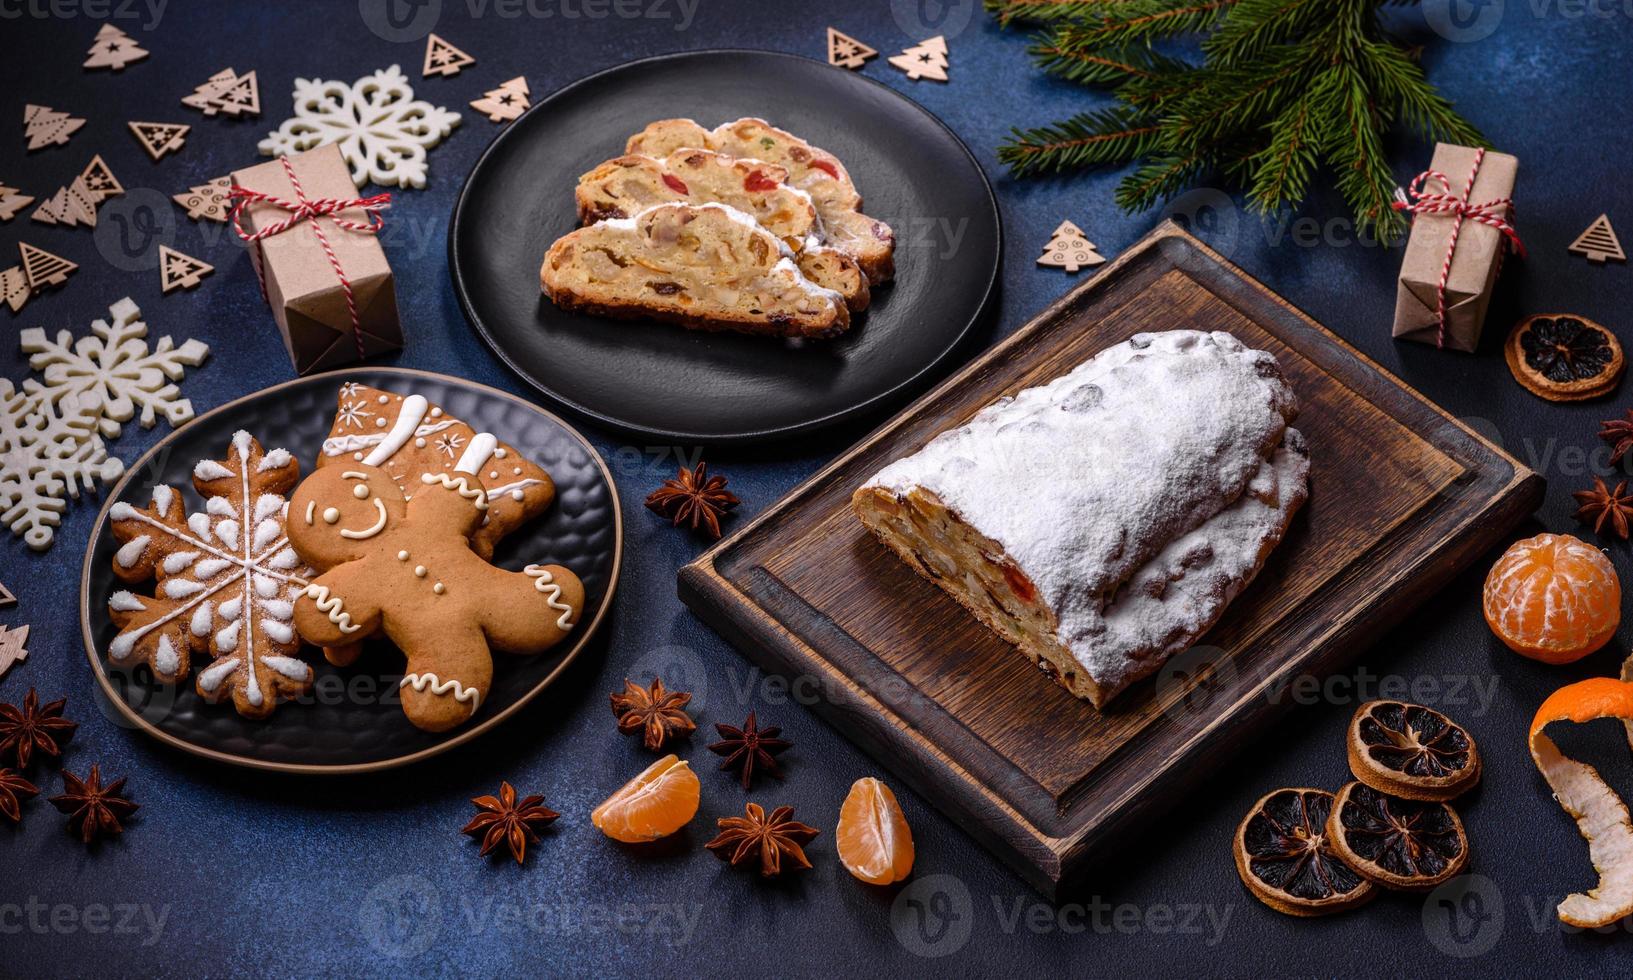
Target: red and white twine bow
[(311, 209), (1495, 213)]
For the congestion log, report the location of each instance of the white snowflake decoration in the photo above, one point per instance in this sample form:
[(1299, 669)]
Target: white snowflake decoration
[(449, 444), (352, 413), (382, 130), (115, 366), (47, 449)]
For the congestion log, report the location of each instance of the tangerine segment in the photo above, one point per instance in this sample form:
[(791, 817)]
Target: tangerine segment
[(658, 802), (1553, 598), (874, 842), (1600, 814)]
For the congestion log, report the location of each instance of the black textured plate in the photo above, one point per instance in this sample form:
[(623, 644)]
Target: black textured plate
[(351, 720), (661, 380)]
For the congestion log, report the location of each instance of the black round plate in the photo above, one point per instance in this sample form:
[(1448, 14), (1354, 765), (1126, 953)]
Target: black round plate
[(661, 380), (351, 720)]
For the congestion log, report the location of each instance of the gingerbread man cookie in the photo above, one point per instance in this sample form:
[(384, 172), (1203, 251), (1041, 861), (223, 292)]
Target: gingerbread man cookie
[(226, 584), (409, 437), (406, 567)]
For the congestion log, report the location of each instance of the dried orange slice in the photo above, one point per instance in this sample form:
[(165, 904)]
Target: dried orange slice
[(658, 802), (1286, 861), (1401, 844), (1600, 814), (1553, 598), (1411, 751), (874, 842)]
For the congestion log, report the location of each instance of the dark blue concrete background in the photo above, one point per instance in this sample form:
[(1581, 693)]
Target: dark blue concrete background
[(251, 874)]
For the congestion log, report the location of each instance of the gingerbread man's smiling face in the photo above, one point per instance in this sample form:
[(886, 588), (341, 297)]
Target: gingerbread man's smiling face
[(335, 515)]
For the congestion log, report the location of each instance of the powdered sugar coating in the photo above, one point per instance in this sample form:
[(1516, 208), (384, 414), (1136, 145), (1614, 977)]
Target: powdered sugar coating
[(1087, 478)]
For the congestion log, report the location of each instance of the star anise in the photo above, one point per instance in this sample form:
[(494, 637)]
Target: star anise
[(1619, 433), (13, 789), (33, 728), (1602, 504), (505, 821), (93, 809), (748, 747), (658, 713), (693, 496), (768, 839)]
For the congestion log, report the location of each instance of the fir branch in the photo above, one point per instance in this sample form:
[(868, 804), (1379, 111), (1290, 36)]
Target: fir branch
[(1113, 136), (1399, 80), (1141, 22), (1159, 179), (1010, 12), (1253, 26), (1111, 68), (1354, 150), (1280, 173)]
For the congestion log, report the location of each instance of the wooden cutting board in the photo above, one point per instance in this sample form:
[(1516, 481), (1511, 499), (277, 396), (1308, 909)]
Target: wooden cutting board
[(1403, 496)]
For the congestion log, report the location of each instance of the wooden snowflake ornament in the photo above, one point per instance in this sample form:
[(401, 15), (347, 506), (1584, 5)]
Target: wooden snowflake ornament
[(381, 129), (442, 58), (1599, 242), (927, 59), (47, 127), (113, 49), (227, 92), (12, 201), (100, 181), (1069, 249), (50, 450), (207, 202), (845, 51), (505, 103), (160, 138), (178, 271), (12, 650)]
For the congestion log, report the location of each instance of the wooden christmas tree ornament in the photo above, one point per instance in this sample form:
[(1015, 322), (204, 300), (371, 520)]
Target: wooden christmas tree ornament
[(207, 202), (160, 138), (14, 288), (505, 103), (1069, 249), (227, 92), (113, 49), (45, 127), (845, 51), (442, 58), (100, 181), (43, 269), (178, 271), (73, 206), (204, 93), (1599, 242), (6, 598), (12, 651), (12, 201), (927, 59)]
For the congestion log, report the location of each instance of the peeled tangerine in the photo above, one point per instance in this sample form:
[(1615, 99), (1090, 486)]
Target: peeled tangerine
[(1553, 598), (658, 802), (1600, 814), (873, 839)]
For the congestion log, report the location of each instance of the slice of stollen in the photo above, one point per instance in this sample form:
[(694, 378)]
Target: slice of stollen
[(706, 267)]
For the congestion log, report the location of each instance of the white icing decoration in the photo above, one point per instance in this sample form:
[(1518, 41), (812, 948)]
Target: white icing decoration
[(266, 587), (276, 459), (438, 588), (229, 533), (385, 399), (331, 514), (340, 445), (477, 453), (500, 454), (180, 588), (166, 661), (121, 511), (402, 556), (419, 442), (332, 607), (240, 445), (409, 415), (123, 601), (268, 505), (163, 497), (211, 677), (202, 619), (209, 568), (419, 571), (232, 608), (546, 584), (381, 129), (381, 423), (283, 560), (220, 507), (436, 413), (226, 638), (515, 488), (289, 667), (460, 485), (209, 469), (199, 524), (131, 551), (121, 646), (439, 687), (281, 632), (368, 532), (266, 532), (279, 609), (360, 491), (311, 508)]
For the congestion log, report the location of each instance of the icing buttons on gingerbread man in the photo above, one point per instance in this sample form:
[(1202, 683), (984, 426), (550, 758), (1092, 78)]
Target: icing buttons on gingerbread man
[(405, 567)]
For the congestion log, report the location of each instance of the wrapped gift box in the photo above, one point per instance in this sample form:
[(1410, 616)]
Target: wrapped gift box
[(298, 275), (1475, 261)]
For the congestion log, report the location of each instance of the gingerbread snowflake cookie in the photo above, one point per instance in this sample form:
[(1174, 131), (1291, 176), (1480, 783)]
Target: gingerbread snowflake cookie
[(409, 438), (405, 566), (225, 581)]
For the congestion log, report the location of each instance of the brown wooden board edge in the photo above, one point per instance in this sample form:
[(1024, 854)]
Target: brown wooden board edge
[(1050, 862)]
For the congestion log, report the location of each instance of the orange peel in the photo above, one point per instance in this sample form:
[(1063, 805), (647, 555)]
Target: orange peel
[(1600, 814)]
